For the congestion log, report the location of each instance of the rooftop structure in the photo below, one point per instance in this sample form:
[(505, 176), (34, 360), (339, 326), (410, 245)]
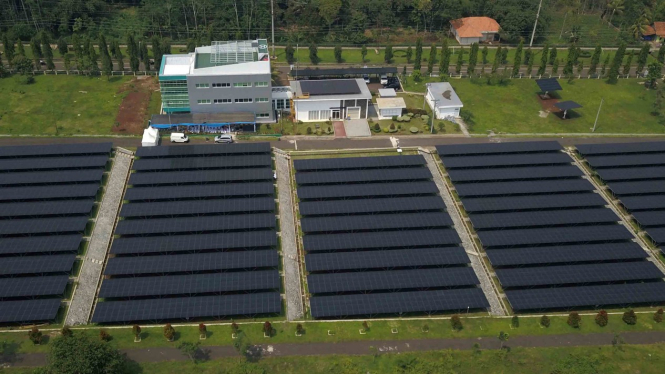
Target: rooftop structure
[(471, 30)]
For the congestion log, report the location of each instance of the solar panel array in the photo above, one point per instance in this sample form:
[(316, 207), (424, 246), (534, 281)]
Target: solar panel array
[(379, 241), (635, 173), (196, 237), (47, 195), (547, 233)]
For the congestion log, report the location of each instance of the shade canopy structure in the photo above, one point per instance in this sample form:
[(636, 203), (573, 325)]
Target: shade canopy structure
[(566, 106), (548, 84)]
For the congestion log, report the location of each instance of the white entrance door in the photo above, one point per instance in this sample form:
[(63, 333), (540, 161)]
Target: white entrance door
[(335, 114), (353, 112)]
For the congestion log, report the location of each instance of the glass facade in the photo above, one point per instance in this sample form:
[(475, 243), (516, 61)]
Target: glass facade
[(175, 97)]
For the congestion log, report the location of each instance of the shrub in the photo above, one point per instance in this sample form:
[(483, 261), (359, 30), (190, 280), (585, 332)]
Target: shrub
[(456, 323), (385, 129), (377, 128), (574, 320), (394, 118), (104, 335), (35, 335), (658, 316), (66, 331), (545, 321), (602, 318), (267, 328), (442, 126), (424, 117), (365, 326), (203, 329), (299, 329), (413, 111), (425, 328), (515, 322), (630, 317), (309, 130), (392, 126), (234, 328), (169, 332), (136, 329)]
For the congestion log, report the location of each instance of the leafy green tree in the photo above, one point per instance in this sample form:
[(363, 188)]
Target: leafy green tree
[(555, 67), (484, 53), (363, 52), (417, 76), (518, 59), (133, 52), (290, 52), (8, 47), (314, 53), (242, 345), (613, 74), (92, 56), (36, 52), (431, 59), (191, 45), (497, 60), (570, 62), (642, 57), (606, 62), (626, 66), (329, 11), (515, 322), (338, 54), (169, 332), (157, 52), (460, 60), (602, 318), (595, 59), (543, 61), (419, 54), (409, 55), (545, 321), (189, 349), (661, 53), (473, 58), (20, 49), (34, 334), (47, 51), (580, 67), (527, 56), (444, 61), (78, 51), (388, 54), (67, 62), (107, 63), (62, 46), (117, 54), (658, 316), (456, 323), (574, 320), (166, 46), (503, 338), (629, 317), (553, 54), (81, 355), (145, 57)]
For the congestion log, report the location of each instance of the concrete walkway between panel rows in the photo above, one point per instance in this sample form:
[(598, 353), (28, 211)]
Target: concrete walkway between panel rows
[(84, 295)]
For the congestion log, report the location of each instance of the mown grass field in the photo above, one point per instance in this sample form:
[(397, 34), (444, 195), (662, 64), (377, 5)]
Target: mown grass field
[(592, 29), (513, 108)]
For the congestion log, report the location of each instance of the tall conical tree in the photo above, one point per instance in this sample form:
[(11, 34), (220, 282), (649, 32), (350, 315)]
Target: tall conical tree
[(460, 61), (78, 51), (107, 63), (157, 51), (133, 52), (497, 59), (473, 59), (145, 57), (419, 55), (642, 57), (47, 51), (62, 47), (518, 59), (431, 59), (92, 56), (613, 74), (20, 49), (36, 49), (444, 62), (595, 59), (8, 46), (553, 54), (544, 57)]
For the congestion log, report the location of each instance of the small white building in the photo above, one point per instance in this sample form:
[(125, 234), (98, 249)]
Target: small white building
[(387, 92), (443, 100), (333, 99), (389, 107), (150, 137)]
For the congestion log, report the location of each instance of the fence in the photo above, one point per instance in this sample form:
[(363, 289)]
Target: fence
[(94, 73)]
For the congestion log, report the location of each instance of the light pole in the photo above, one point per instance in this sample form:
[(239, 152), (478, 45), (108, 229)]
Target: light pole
[(431, 131), (597, 115), (536, 23)]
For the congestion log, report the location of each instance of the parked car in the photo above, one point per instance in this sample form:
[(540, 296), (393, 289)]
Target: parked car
[(384, 79), (179, 137), (393, 84), (224, 138), (366, 78)]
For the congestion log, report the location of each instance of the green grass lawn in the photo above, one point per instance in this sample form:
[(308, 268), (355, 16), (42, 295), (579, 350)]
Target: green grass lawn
[(514, 108), (76, 105), (593, 30)]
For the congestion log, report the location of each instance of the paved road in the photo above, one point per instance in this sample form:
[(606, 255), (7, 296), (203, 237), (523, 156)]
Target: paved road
[(366, 347)]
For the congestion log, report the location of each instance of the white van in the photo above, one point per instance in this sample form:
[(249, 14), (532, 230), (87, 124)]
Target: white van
[(178, 137)]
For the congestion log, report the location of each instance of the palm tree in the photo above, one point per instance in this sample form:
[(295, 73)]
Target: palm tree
[(616, 6), (640, 26)]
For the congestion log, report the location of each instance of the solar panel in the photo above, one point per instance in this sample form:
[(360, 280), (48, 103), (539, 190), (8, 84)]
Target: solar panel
[(49, 192), (497, 148), (391, 280), (48, 163), (55, 149), (201, 176), (188, 308), (398, 204), (377, 240), (37, 264), (398, 303), (200, 163), (47, 208), (566, 254), (40, 244), (594, 297), (652, 218), (548, 84), (200, 262), (358, 163), (196, 224), (51, 177), (621, 148), (657, 235), (578, 274), (24, 311), (43, 226), (204, 150), (486, 161), (397, 258), (198, 207), (330, 87), (522, 187), (199, 192), (631, 173), (648, 159), (647, 202), (638, 188), (358, 176), (195, 243), (543, 218), (33, 286), (514, 173), (537, 202), (554, 235), (375, 222), (361, 190), (190, 284), (567, 105)]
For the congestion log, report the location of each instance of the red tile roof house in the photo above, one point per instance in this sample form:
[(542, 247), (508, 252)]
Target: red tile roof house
[(471, 30), (659, 28)]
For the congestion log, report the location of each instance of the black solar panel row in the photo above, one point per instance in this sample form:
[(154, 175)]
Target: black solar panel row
[(657, 234), (497, 148), (196, 224), (638, 188), (40, 244), (650, 218), (201, 163), (363, 176), (383, 205), (187, 308), (198, 207), (647, 202), (522, 187), (23, 311), (376, 222), (510, 160), (33, 286), (632, 173), (376, 240), (76, 191), (621, 148), (566, 254), (358, 163), (43, 226), (648, 159), (61, 263), (548, 84), (362, 190), (543, 218), (200, 192), (515, 173), (554, 235), (58, 163), (55, 150), (47, 208), (201, 176), (51, 177), (538, 202), (203, 150)]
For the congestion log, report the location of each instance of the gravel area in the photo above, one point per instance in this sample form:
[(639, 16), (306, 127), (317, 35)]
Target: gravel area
[(485, 281), (82, 302), (294, 306)]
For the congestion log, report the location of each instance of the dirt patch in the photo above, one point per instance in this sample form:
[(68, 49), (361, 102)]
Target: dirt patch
[(132, 112), (548, 104)]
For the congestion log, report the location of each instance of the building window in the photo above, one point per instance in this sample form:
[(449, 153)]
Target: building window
[(206, 101), (262, 100), (262, 115), (279, 104), (242, 84), (287, 103), (313, 115), (222, 101), (325, 114), (220, 85), (261, 84), (203, 85), (243, 100)]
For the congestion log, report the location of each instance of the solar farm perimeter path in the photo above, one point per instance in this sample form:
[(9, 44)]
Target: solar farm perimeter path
[(147, 355)]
